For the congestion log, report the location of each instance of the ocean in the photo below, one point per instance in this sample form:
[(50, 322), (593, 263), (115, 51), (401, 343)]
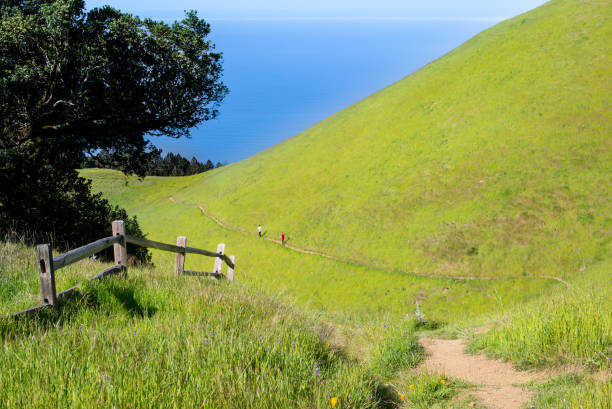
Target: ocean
[(286, 75)]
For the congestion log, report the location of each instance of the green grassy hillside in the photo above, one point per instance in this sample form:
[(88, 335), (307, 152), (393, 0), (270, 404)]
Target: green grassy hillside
[(347, 291), (363, 308), (493, 160), (492, 163)]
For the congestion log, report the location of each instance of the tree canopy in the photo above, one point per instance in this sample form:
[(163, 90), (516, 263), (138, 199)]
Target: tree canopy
[(172, 164), (102, 79), (74, 81)]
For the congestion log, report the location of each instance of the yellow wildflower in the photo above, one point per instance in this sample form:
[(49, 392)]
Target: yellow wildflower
[(334, 402)]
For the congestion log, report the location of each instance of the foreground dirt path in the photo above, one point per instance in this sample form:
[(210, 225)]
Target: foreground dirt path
[(345, 260), (498, 382)]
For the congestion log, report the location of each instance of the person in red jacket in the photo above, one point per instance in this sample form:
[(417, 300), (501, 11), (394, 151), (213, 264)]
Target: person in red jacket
[(283, 238)]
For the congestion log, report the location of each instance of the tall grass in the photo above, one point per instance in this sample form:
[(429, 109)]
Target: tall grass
[(572, 391), (155, 341), (573, 327), (424, 391), (400, 350)]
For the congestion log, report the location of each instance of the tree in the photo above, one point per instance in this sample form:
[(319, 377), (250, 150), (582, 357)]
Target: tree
[(75, 82), (156, 165), (194, 167), (104, 79)]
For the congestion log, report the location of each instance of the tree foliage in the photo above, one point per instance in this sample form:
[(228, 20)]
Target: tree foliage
[(172, 164), (102, 79), (75, 82)]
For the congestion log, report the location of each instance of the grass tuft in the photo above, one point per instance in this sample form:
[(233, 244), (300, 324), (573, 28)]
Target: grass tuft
[(573, 327)]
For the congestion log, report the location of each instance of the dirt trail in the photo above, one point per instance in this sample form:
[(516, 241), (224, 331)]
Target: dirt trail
[(346, 260), (228, 227), (498, 382)]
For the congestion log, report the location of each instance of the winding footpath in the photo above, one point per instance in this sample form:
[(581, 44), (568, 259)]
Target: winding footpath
[(345, 260), (498, 384)]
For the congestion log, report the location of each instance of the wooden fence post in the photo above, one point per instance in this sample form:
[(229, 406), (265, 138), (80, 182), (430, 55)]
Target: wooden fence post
[(120, 248), (179, 258), (218, 260), (230, 270), (48, 295)]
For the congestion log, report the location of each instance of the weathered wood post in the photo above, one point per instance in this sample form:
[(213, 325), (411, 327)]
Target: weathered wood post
[(48, 295), (218, 260), (120, 248), (179, 258), (230, 270)]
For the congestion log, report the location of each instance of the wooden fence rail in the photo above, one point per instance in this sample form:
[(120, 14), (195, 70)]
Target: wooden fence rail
[(48, 264), (85, 251), (177, 249)]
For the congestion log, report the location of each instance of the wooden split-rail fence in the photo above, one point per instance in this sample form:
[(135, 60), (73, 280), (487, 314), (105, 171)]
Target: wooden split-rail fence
[(48, 264)]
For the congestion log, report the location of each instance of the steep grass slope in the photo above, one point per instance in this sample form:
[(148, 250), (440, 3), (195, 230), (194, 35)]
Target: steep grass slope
[(494, 159), (347, 291)]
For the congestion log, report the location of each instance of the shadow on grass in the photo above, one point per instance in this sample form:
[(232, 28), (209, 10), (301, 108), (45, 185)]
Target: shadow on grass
[(387, 397), (130, 304), (429, 325), (106, 298)]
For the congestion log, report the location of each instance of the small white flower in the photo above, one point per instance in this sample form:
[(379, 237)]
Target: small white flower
[(419, 315)]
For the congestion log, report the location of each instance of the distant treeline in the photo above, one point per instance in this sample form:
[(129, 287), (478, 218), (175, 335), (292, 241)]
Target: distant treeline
[(173, 164)]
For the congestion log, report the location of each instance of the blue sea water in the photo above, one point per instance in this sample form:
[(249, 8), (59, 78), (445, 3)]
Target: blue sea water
[(286, 75)]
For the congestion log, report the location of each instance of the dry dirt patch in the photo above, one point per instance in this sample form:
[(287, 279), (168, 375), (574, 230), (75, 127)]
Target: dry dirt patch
[(498, 382)]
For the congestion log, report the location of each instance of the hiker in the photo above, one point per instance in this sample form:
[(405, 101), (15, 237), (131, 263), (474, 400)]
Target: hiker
[(283, 238), (259, 230)]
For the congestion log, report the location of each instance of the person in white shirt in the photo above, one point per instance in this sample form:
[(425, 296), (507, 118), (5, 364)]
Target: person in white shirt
[(259, 230)]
